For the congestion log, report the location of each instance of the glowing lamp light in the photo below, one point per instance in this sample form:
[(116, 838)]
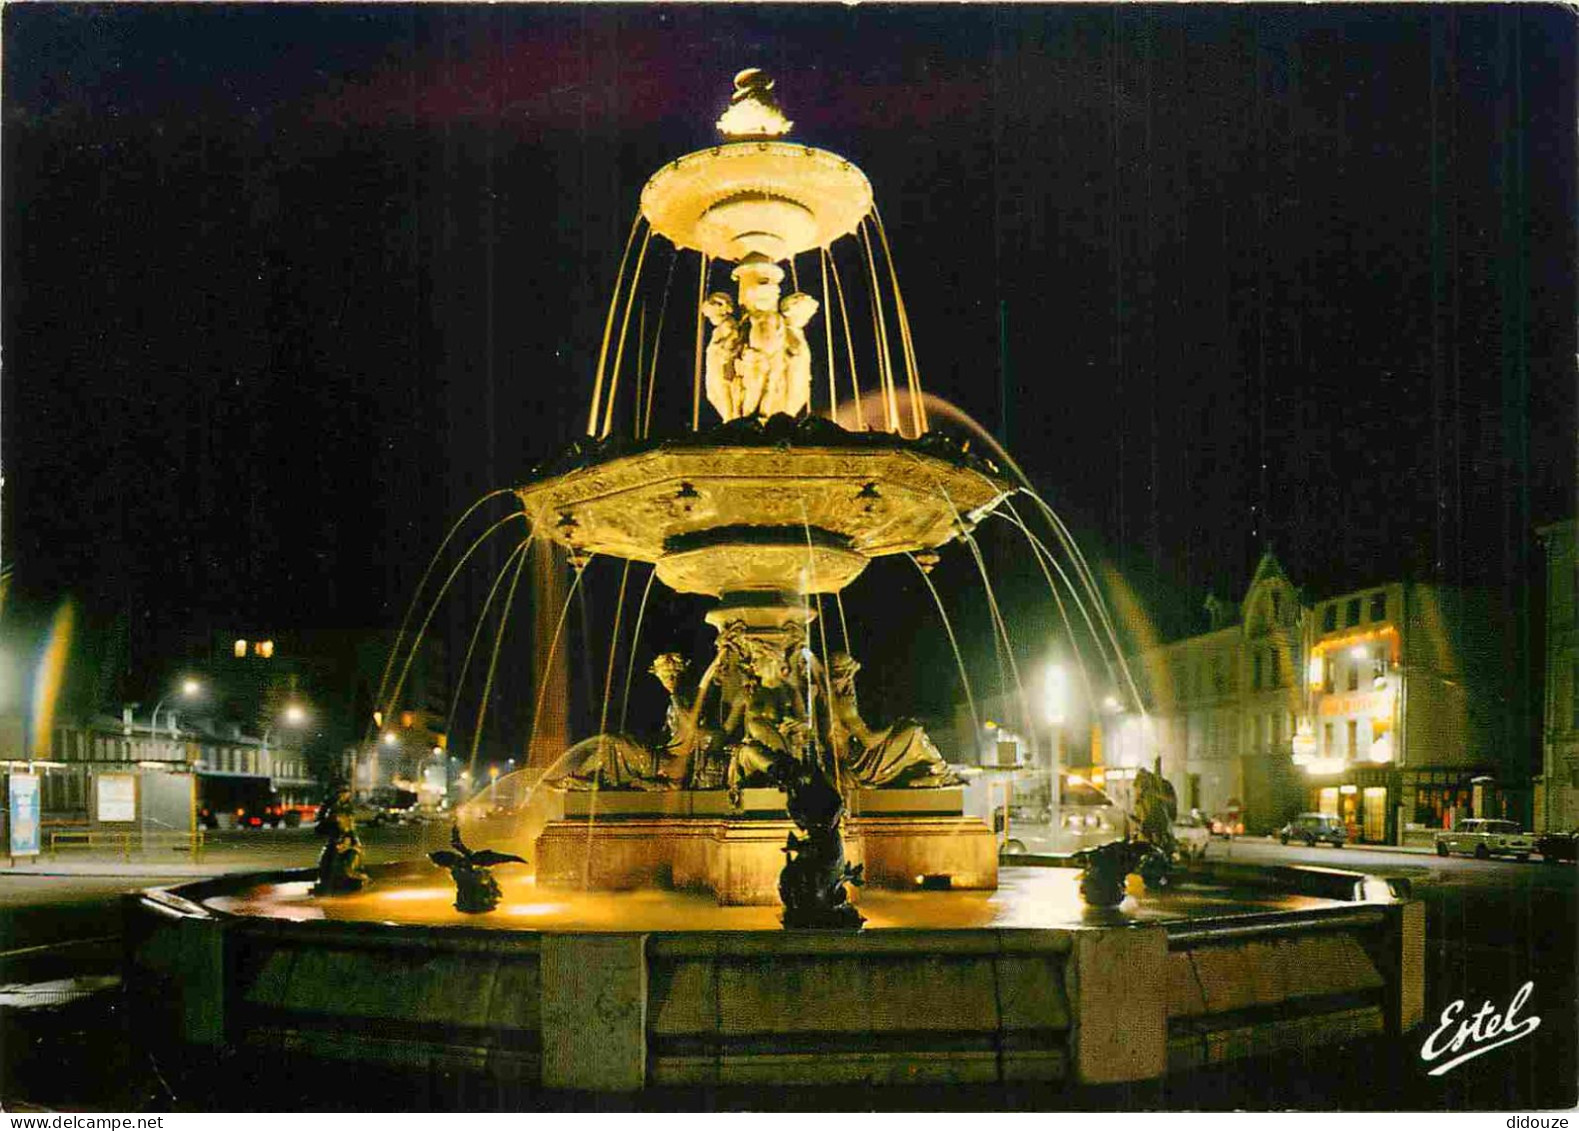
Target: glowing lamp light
[(1055, 692), (1382, 749), (191, 688), (1325, 766), (389, 738), (239, 648), (1316, 671), (295, 715), (1359, 652), (1348, 789), (1304, 743)]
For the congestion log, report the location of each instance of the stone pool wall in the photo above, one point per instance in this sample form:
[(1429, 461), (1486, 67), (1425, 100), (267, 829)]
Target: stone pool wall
[(624, 1011)]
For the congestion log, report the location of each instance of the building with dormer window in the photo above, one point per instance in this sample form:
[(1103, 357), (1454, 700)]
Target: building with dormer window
[(1389, 707)]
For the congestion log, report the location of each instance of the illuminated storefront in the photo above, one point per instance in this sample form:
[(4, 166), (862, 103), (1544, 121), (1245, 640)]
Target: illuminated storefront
[(1388, 741)]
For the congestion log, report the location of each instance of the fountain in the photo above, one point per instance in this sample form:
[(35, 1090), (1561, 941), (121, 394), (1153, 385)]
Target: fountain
[(776, 891)]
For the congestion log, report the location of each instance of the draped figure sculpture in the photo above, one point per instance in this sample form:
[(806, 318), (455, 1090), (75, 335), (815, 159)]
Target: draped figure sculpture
[(618, 761), (898, 755)]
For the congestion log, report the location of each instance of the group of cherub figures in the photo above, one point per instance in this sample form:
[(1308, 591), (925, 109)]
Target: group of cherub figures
[(758, 360), (763, 707)]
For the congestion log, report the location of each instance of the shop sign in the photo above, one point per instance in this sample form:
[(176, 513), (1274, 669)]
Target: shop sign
[(1361, 703), (117, 795)]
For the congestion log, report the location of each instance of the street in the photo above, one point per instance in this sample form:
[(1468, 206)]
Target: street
[(1492, 926)]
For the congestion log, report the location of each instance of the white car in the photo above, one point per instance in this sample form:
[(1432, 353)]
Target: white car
[(1485, 838)]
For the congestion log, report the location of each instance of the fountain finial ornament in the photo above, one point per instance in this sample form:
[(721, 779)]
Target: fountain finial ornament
[(753, 112)]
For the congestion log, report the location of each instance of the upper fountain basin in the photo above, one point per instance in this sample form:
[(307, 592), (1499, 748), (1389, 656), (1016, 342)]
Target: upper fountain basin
[(731, 511), (772, 197)]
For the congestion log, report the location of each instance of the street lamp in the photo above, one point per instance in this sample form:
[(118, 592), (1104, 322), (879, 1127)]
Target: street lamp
[(190, 689), (294, 716)]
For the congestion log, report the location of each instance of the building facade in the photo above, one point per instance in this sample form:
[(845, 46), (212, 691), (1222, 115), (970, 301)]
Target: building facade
[(86, 750), (1558, 804), (1388, 706)]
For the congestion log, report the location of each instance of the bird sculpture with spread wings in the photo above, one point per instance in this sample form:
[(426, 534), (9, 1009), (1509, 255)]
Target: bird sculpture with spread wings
[(475, 888)]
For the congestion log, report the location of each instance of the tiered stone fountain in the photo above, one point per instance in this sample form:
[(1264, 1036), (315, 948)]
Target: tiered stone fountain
[(769, 512)]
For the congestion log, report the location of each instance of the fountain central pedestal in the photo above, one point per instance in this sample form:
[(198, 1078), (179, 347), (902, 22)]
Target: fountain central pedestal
[(688, 840)]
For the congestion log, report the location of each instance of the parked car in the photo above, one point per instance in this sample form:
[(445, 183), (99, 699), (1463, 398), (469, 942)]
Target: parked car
[(1485, 838), (1193, 833), (1557, 846), (1227, 826), (264, 812), (1314, 827)]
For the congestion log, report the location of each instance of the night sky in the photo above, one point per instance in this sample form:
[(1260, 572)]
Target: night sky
[(287, 287)]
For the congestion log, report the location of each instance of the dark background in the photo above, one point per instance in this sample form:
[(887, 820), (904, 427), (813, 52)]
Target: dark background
[(287, 287)]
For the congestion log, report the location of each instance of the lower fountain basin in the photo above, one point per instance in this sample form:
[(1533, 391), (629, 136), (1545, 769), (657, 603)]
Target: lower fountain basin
[(617, 991)]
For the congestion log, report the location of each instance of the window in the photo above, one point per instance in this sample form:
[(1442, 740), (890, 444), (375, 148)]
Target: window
[(1326, 739), (1354, 739), (1378, 606), (1354, 674), (1329, 618), (1255, 672), (1351, 613), (240, 649), (1276, 663)]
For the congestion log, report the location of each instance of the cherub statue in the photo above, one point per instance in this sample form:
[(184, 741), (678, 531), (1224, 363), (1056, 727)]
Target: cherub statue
[(340, 862), (475, 888), (724, 387), (760, 362), (1156, 808), (899, 755), (798, 310)]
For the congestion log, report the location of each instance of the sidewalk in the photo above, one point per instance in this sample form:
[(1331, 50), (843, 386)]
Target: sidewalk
[(170, 865), (1411, 849)]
